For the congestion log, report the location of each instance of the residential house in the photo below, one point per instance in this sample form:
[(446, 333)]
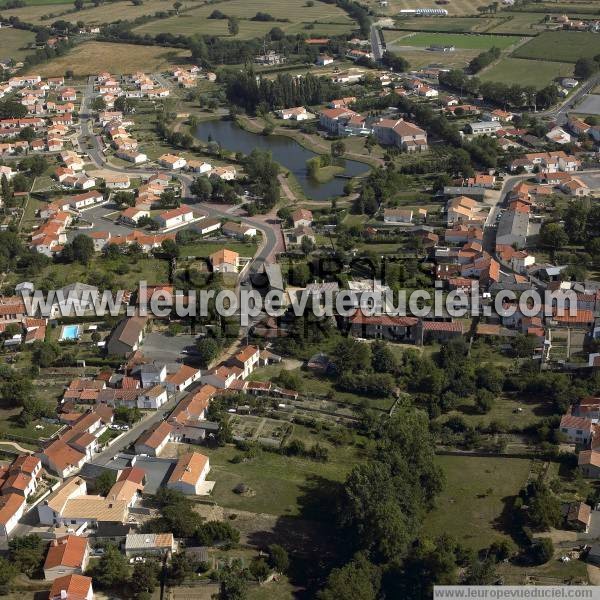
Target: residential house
[(127, 336), (170, 161), (72, 587), (175, 217), (153, 441), (68, 555), (12, 507), (189, 473), (149, 544), (397, 215), (225, 261), (247, 359)]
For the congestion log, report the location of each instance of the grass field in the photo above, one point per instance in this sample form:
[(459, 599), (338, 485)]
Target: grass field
[(93, 57), (105, 13), (528, 23), (526, 72), (328, 19), (14, 42), (451, 24), (279, 481), (463, 41), (561, 46), (425, 58), (476, 492)]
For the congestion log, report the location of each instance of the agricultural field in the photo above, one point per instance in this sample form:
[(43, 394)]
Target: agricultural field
[(14, 42), (518, 23), (475, 495), (426, 58), (93, 57), (561, 46), (449, 24), (462, 41), (585, 7), (521, 71), (92, 15), (326, 19)]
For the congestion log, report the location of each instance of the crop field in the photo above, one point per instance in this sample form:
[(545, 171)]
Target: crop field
[(92, 57), (36, 2), (458, 40), (449, 24), (526, 72), (92, 15), (589, 7), (561, 46), (476, 492), (14, 42), (425, 58), (326, 19)]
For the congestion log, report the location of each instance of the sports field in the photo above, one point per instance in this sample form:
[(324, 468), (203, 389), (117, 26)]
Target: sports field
[(526, 72), (561, 46), (426, 58), (13, 42), (93, 57), (327, 19), (464, 41)]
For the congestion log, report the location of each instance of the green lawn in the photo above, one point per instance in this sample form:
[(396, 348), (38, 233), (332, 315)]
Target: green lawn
[(526, 72), (528, 23), (476, 492), (9, 424), (279, 481), (14, 42), (561, 46), (459, 40)]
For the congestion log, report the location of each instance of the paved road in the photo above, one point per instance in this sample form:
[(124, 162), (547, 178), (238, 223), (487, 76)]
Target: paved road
[(377, 47), (269, 229), (560, 113)]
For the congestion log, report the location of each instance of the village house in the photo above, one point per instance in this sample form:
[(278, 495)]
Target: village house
[(175, 217), (225, 261), (189, 473), (72, 587), (400, 133), (238, 230), (127, 336), (150, 544), (298, 113), (247, 359), (170, 161), (153, 441), (576, 430), (397, 216), (68, 555)]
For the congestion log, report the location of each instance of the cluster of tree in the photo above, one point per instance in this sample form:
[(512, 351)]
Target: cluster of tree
[(80, 250), (48, 53), (262, 175), (515, 96), (378, 187), (483, 60), (395, 62), (298, 448), (214, 190), (586, 67), (284, 91)]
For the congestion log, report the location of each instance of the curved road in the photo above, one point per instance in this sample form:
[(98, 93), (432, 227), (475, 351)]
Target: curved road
[(270, 230)]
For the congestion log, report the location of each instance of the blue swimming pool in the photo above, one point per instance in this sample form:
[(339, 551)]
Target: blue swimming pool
[(69, 332)]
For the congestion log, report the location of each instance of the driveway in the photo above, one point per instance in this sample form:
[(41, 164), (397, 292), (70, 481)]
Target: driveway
[(165, 348)]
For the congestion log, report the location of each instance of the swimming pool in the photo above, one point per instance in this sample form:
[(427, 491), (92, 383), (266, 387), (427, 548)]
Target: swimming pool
[(69, 332)]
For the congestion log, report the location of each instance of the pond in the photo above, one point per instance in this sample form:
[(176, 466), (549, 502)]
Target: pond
[(285, 151)]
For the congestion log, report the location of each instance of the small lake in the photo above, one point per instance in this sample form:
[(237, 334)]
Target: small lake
[(285, 151)]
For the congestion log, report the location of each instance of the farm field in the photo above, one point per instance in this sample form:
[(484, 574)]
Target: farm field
[(92, 57), (589, 7), (561, 46), (527, 23), (425, 58), (474, 496), (526, 72), (36, 2), (449, 24), (328, 19), (466, 42), (14, 42)]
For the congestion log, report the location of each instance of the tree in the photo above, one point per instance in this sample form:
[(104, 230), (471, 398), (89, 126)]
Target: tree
[(27, 553), (544, 508), (259, 569), (307, 245), (112, 570), (98, 103), (201, 188), (484, 401), (168, 199), (352, 356), (145, 576), (233, 26), (524, 346), (359, 580), (170, 248), (208, 350), (177, 5), (338, 148), (8, 572), (83, 249), (585, 68), (542, 551), (553, 236), (383, 359), (11, 109), (78, 4), (181, 567), (233, 585), (105, 481), (278, 558), (299, 274)]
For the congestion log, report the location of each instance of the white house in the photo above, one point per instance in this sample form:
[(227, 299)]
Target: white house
[(397, 215), (175, 217), (11, 510), (153, 441), (152, 398), (577, 430), (189, 473), (247, 359), (170, 161)]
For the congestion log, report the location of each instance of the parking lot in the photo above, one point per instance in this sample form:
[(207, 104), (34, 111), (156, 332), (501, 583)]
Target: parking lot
[(167, 349), (590, 105)]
